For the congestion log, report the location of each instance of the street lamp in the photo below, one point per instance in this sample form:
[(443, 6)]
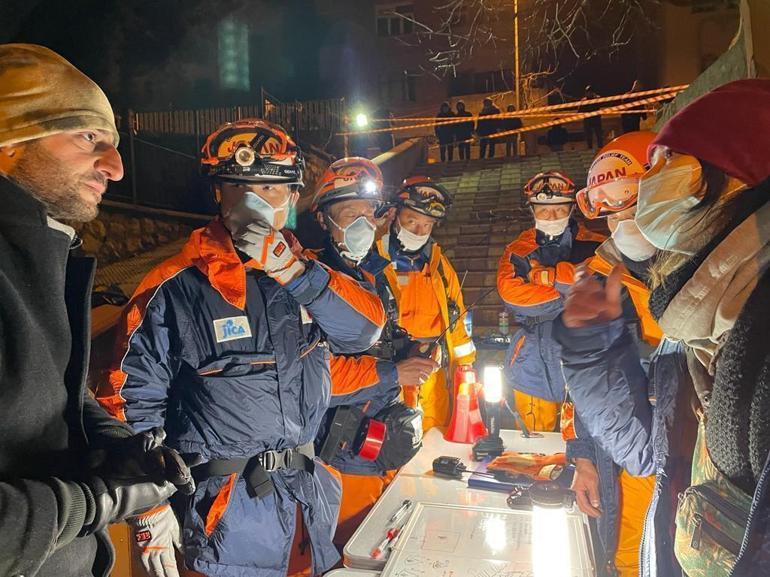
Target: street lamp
[(362, 120), (492, 444)]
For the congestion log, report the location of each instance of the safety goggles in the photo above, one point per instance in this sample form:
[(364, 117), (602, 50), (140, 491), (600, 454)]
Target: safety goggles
[(430, 200), (613, 196), (549, 188)]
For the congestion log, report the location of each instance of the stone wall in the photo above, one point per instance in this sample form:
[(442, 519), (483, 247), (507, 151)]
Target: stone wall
[(122, 232)]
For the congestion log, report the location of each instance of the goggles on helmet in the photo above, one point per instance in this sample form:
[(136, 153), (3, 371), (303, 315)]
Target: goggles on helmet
[(549, 188), (424, 196), (613, 196), (252, 150)]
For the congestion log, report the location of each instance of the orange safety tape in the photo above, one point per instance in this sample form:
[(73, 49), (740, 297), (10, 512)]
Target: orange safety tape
[(665, 93), (573, 118)]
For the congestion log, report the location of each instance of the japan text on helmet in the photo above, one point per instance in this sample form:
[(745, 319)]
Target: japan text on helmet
[(252, 150), (424, 196), (613, 179), (348, 179), (550, 187)]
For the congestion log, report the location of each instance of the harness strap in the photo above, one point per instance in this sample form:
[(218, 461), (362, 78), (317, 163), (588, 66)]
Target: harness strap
[(257, 470)]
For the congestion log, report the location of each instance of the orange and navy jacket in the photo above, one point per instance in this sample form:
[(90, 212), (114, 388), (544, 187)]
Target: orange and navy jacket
[(533, 277), (607, 256), (360, 379), (423, 286), (204, 313), (232, 364)]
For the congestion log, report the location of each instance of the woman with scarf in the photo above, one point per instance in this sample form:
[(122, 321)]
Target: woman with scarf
[(699, 418)]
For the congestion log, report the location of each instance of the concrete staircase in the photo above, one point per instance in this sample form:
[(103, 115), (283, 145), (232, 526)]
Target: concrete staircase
[(488, 213)]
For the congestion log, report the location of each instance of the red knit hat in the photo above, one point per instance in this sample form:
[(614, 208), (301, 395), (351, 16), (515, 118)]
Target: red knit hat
[(728, 127)]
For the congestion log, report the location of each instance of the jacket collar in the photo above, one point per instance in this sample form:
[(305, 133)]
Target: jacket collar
[(20, 207), (211, 250)]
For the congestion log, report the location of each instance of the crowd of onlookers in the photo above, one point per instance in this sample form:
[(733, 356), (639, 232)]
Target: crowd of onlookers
[(556, 137)]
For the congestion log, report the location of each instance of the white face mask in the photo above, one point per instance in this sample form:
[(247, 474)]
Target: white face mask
[(357, 238), (552, 227), (630, 241), (253, 207), (410, 241), (664, 211)]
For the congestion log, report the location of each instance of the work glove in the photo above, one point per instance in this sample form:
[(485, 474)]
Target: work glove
[(115, 500), (156, 534), (270, 250), (144, 455), (542, 275)]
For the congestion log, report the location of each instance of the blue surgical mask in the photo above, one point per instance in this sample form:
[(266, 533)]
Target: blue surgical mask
[(357, 238)]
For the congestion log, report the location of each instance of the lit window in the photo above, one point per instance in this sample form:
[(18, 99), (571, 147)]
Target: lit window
[(234, 55)]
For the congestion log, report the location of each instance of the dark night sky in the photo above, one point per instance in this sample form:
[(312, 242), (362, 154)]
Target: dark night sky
[(114, 40)]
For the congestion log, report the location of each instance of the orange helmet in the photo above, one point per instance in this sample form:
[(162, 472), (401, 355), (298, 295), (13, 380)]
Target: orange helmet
[(613, 179), (348, 178), (550, 187), (252, 150), (420, 193)]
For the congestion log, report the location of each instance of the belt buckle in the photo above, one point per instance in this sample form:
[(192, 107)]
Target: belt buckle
[(270, 460)]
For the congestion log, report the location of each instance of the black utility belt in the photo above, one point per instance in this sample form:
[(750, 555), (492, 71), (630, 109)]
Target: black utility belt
[(257, 470)]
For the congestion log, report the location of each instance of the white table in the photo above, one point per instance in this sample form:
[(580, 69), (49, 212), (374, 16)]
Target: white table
[(434, 446), (416, 481)]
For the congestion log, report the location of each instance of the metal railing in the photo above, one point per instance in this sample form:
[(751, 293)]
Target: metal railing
[(314, 120)]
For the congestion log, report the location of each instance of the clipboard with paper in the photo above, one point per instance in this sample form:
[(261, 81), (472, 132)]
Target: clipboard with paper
[(455, 540)]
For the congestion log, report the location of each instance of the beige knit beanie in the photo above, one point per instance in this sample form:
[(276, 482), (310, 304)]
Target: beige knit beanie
[(42, 94)]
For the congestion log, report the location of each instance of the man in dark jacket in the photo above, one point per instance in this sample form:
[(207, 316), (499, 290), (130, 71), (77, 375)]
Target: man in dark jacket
[(487, 127), (463, 132), (511, 123), (445, 133), (67, 468)]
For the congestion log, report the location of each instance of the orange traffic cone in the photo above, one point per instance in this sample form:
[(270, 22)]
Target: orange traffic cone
[(466, 425)]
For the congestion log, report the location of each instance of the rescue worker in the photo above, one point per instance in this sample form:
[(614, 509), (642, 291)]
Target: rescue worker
[(67, 469), (227, 344), (698, 416), (426, 290), (603, 489), (347, 204), (533, 276)]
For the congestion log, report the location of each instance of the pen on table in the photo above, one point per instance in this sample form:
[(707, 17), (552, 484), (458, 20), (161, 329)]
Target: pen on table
[(390, 536), (400, 511)]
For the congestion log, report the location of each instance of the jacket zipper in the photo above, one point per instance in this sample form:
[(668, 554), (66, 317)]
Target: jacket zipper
[(763, 480), (645, 562), (703, 527)]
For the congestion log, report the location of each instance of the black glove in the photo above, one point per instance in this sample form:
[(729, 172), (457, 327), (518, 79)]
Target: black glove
[(145, 455), (111, 501)]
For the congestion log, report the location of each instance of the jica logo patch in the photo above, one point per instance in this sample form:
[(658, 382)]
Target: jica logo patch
[(232, 328)]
